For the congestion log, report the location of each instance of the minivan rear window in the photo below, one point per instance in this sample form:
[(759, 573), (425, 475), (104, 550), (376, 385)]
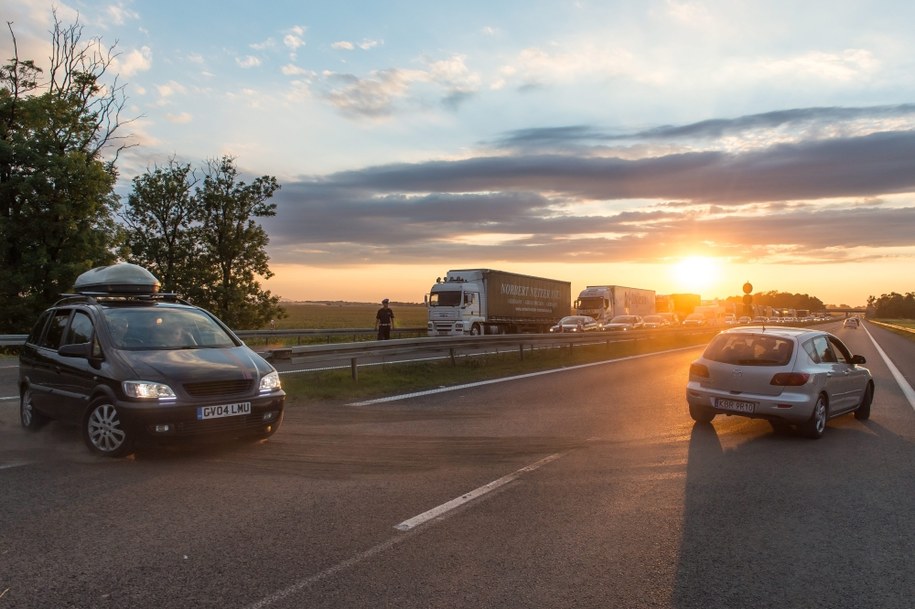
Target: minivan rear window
[(743, 349)]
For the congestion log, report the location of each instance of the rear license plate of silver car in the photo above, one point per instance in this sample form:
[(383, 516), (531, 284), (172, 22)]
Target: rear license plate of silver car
[(735, 405)]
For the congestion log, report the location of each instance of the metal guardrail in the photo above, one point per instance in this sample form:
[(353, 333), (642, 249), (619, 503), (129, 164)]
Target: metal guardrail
[(453, 345), (12, 340), (267, 336)]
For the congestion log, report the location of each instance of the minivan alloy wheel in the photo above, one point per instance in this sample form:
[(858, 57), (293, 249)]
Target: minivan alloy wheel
[(31, 419), (103, 431)]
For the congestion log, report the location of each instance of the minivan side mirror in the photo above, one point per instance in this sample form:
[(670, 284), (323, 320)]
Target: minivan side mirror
[(76, 350), (858, 359)]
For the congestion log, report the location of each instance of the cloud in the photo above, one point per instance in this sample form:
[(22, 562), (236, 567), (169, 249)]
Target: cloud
[(249, 61), (293, 70), (181, 118), (294, 38), (366, 45), (170, 89), (132, 62), (383, 93), (817, 200), (373, 96), (118, 14)]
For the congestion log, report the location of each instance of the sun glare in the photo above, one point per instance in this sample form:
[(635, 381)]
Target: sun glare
[(696, 273)]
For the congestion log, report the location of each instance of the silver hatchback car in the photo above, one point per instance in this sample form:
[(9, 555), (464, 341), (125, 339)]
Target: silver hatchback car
[(789, 376)]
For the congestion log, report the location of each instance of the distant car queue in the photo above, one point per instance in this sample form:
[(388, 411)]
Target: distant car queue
[(625, 323)]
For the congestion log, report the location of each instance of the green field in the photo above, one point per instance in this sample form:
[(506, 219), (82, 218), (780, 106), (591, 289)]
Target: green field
[(320, 315)]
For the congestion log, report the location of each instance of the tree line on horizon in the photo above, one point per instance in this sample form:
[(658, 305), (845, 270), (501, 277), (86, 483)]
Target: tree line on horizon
[(781, 300), (196, 230), (893, 305)]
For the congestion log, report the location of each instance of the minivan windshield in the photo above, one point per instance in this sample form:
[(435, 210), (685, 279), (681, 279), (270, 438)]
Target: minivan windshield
[(138, 328)]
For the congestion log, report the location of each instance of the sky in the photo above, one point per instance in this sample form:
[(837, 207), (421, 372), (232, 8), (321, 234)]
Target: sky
[(679, 146)]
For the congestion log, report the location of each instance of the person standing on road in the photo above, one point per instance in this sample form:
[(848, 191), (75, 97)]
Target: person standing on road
[(384, 321)]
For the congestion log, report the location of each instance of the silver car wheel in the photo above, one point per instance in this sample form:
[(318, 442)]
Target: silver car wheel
[(817, 423), (104, 434)]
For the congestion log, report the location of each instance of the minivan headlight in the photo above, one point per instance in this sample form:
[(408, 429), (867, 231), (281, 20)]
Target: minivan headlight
[(270, 382), (147, 390)]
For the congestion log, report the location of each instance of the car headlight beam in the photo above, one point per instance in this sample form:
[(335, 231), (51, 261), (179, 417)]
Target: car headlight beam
[(270, 382), (148, 390)]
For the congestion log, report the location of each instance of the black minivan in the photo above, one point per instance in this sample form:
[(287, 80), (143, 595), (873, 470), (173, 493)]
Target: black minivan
[(127, 363)]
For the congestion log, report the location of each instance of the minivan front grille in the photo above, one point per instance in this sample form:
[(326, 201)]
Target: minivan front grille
[(219, 388)]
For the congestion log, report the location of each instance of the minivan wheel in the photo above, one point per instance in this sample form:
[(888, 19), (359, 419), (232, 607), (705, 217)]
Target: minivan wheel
[(103, 432), (815, 427), (30, 418), (863, 412)]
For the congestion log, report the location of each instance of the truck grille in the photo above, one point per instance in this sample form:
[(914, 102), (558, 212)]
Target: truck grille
[(443, 327)]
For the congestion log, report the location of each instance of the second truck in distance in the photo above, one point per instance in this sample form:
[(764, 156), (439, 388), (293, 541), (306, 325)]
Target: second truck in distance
[(604, 302)]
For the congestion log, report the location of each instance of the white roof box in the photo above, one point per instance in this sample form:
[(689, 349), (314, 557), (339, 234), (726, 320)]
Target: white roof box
[(124, 278)]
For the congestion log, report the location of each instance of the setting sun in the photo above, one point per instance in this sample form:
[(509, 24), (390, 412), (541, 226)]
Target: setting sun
[(696, 273)]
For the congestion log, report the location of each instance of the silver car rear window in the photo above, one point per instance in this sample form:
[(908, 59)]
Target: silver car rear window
[(743, 349)]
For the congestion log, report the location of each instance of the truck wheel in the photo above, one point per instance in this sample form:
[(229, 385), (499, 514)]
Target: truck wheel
[(475, 330)]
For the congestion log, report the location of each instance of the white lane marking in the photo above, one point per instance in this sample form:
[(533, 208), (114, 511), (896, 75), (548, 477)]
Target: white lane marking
[(9, 397), (907, 390), (308, 581), (404, 396), (448, 506), (409, 531), (15, 464)]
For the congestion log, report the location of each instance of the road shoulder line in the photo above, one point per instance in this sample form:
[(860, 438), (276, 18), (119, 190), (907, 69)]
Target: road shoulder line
[(907, 390)]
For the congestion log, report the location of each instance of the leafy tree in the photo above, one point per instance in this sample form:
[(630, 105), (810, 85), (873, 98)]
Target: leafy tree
[(893, 306), (786, 300), (162, 220), (234, 245), (203, 241), (56, 191)]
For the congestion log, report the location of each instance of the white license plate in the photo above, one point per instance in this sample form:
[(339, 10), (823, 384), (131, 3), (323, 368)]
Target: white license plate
[(735, 405), (223, 410)]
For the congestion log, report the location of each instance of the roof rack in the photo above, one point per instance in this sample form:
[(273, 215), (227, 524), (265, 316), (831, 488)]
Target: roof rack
[(101, 297)]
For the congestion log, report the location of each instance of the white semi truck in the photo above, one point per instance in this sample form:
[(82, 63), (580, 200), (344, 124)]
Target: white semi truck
[(484, 301), (604, 302)]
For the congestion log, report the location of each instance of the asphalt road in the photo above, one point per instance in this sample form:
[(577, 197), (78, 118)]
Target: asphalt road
[(589, 487)]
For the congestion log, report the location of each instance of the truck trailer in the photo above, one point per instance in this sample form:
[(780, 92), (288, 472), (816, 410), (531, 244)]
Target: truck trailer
[(604, 302), (485, 301)]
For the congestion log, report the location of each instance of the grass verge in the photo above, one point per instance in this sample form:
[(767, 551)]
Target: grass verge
[(392, 379)]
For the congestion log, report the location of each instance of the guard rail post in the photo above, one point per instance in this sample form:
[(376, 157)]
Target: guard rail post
[(354, 369)]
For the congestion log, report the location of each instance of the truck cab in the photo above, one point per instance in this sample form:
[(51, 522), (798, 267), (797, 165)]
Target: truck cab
[(456, 306), (596, 302)]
